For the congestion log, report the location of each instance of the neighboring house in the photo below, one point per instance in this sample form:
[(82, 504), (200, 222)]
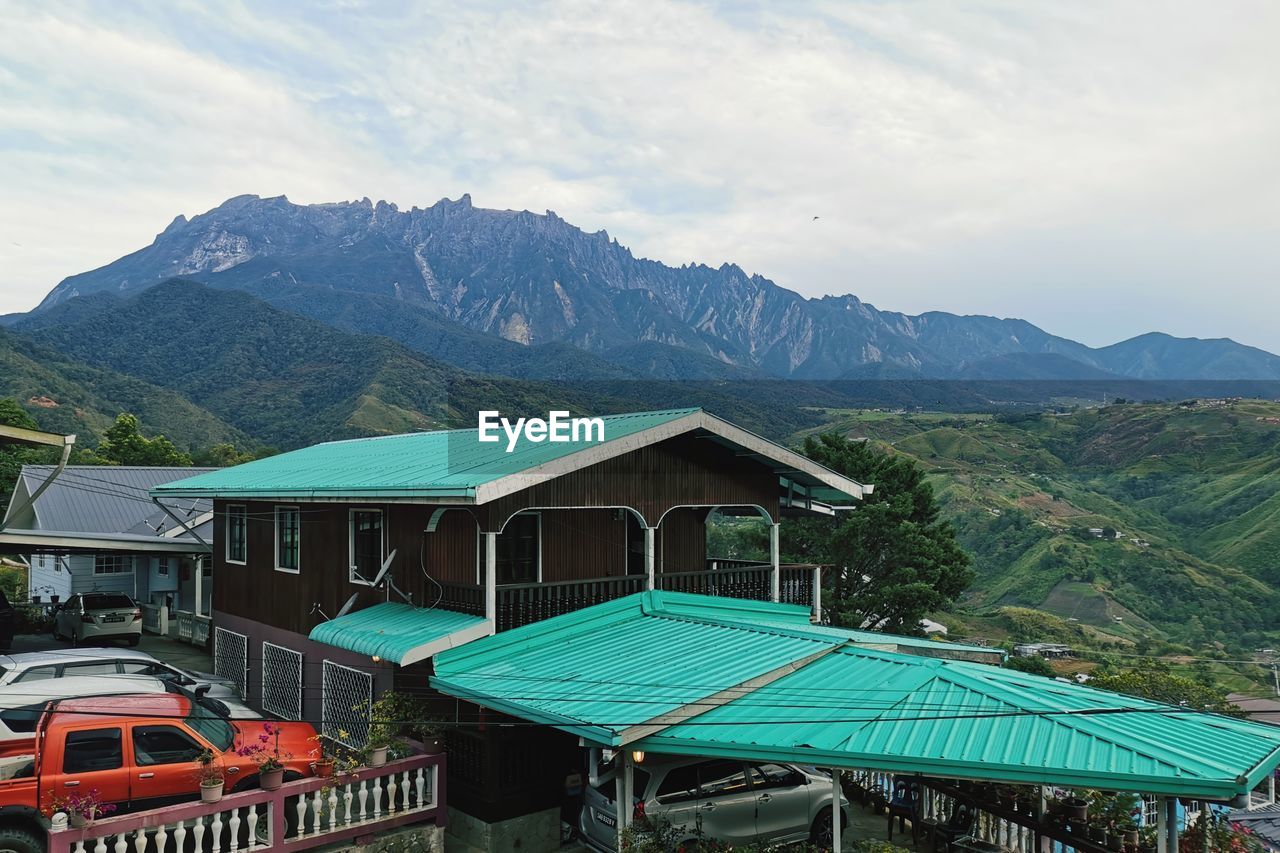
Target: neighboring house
[(477, 540), (95, 528)]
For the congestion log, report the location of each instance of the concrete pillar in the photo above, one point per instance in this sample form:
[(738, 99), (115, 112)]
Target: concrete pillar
[(775, 573), (1162, 833), (817, 594), (650, 557), (491, 578)]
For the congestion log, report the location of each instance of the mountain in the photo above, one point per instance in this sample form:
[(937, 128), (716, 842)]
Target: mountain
[(288, 380), (535, 279), (68, 396)]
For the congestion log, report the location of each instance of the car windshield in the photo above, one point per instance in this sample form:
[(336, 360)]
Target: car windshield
[(641, 784), (209, 717), (107, 602)]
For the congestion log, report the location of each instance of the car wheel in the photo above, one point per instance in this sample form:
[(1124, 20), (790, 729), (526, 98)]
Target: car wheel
[(75, 638), (820, 834), (19, 839), (55, 633), (133, 641)]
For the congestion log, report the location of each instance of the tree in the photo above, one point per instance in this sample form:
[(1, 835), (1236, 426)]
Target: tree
[(895, 560), (124, 444), (1160, 685), (1033, 664), (222, 456)]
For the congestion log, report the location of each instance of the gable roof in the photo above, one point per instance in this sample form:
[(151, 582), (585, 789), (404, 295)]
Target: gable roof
[(455, 466), (694, 675), (21, 435)]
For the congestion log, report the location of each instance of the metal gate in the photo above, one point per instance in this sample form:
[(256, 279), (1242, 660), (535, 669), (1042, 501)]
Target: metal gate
[(231, 658), (348, 694), (281, 681)]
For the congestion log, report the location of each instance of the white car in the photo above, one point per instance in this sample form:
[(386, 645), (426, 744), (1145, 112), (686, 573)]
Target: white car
[(29, 667), (22, 704), (98, 616)]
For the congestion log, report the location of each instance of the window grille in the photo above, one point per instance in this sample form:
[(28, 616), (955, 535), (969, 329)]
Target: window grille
[(281, 681), (231, 658), (348, 695)]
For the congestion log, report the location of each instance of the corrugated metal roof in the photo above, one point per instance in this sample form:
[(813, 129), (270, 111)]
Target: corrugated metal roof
[(399, 633), (456, 465), (444, 463), (602, 670), (105, 498)]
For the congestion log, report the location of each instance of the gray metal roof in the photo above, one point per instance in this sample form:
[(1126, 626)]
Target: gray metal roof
[(1264, 822), (108, 499)]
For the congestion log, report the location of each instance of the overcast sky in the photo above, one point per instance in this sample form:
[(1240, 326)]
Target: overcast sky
[(1101, 170)]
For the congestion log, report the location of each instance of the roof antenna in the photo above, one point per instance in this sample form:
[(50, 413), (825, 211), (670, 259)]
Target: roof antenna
[(345, 609), (315, 608), (384, 577)]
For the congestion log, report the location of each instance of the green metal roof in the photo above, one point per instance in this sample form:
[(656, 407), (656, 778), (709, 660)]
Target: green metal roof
[(684, 674), (454, 465), (445, 463), (400, 633)]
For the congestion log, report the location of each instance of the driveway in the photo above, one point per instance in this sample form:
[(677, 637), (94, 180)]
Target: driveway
[(182, 655)]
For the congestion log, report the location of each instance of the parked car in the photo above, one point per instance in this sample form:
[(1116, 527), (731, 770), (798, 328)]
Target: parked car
[(731, 801), (8, 618), (21, 708), (37, 666), (138, 751), (98, 616)]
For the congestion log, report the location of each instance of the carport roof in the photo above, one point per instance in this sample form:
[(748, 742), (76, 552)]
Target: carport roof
[(684, 674)]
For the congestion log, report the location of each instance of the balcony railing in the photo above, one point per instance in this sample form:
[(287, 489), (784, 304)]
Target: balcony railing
[(155, 619), (192, 628), (521, 604), (298, 816), (736, 580)]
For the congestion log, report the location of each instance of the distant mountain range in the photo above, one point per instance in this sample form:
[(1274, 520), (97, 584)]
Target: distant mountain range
[(531, 296)]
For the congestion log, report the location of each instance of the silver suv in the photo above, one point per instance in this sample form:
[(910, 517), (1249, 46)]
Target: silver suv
[(723, 799)]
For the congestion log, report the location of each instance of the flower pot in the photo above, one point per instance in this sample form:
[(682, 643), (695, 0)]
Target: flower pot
[(1076, 808), (377, 756), (1115, 841), (1147, 848), (210, 792), (270, 780), (323, 767), (1131, 837), (433, 746), (79, 821), (1098, 834)]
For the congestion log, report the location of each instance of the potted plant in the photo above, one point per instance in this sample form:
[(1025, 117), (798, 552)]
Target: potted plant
[(1076, 808), (265, 753), (81, 809), (212, 780), (323, 763), (1147, 842)]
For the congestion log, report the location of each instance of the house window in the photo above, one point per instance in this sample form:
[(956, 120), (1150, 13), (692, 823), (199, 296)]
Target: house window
[(1150, 811), (519, 549), (162, 567), (287, 535), (110, 564), (237, 532), (367, 544)]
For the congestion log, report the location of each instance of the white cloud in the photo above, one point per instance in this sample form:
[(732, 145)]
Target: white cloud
[(1040, 160)]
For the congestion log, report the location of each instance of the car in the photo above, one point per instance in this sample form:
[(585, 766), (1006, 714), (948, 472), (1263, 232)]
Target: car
[(21, 706), (98, 616), (8, 618), (37, 666), (735, 802)]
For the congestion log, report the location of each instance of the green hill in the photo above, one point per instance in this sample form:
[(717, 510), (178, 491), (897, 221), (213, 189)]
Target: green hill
[(1187, 497)]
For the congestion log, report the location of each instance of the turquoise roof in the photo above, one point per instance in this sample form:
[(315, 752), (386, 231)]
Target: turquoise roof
[(685, 674), (455, 464), (399, 633)]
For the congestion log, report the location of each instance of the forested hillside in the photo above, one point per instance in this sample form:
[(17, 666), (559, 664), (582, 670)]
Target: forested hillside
[(1131, 523)]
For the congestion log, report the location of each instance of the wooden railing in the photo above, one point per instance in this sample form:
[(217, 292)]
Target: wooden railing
[(521, 604), (298, 816), (462, 598), (738, 580)]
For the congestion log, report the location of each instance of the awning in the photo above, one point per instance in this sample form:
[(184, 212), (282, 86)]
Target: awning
[(697, 675), (401, 633), (74, 542)]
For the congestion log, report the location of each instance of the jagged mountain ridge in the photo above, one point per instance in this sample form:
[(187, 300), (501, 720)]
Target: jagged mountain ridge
[(536, 279)]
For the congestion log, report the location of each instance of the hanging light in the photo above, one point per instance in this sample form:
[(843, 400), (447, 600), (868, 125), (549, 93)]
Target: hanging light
[(638, 756)]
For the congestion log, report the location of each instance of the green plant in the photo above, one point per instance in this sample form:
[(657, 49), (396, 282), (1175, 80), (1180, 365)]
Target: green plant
[(265, 752), (208, 770), (395, 715)]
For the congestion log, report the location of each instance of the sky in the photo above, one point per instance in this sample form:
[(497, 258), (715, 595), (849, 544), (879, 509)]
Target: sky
[(1100, 169)]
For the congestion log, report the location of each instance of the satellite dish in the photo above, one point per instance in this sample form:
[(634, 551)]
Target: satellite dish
[(347, 607), (386, 566)]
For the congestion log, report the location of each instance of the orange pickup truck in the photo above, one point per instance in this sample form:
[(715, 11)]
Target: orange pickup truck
[(139, 752)]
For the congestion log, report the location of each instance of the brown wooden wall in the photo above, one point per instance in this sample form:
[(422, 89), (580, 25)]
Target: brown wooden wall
[(576, 543)]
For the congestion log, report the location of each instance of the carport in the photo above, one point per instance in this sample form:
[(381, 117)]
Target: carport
[(668, 673)]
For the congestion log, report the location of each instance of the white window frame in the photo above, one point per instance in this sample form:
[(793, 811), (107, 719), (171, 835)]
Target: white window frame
[(126, 563), (275, 559), (244, 514), (351, 542), (162, 567)]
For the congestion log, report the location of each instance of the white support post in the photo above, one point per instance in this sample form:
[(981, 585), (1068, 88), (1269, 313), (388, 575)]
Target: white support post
[(628, 786), (1162, 830), (650, 557), (199, 586), (817, 595), (775, 573), (835, 804), (491, 578)]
